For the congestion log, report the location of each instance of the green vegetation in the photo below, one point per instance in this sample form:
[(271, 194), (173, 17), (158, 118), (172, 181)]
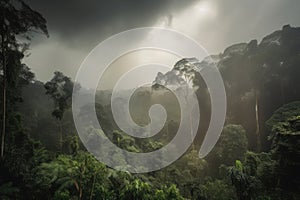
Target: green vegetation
[(256, 157)]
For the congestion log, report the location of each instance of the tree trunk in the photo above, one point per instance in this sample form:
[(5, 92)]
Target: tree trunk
[(190, 114), (282, 92), (4, 96), (93, 186), (80, 193), (257, 132), (61, 135)]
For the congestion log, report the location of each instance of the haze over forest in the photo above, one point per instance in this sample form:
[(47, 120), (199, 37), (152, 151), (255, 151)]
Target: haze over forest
[(255, 45)]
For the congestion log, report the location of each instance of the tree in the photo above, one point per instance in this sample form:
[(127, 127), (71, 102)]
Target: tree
[(60, 89), (78, 176), (232, 146), (216, 190), (285, 134), (17, 19), (261, 170), (241, 181), (187, 72), (280, 121)]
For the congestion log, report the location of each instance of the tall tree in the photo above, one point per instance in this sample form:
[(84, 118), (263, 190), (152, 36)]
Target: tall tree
[(60, 88), (17, 20), (285, 134)]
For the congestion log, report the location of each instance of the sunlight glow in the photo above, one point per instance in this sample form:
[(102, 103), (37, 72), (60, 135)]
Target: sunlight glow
[(205, 9)]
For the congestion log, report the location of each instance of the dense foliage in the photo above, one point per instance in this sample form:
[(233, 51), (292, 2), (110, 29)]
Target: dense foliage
[(256, 157)]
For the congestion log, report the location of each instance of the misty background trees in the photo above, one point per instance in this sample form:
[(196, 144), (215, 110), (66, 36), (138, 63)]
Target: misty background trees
[(256, 157)]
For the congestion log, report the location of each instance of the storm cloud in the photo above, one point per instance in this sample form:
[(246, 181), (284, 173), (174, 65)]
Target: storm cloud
[(79, 21), (76, 26)]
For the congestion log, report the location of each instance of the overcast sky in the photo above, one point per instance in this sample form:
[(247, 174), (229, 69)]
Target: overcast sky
[(77, 26)]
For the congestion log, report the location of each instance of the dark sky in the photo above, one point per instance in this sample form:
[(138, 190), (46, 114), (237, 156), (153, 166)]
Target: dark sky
[(83, 21), (76, 26)]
